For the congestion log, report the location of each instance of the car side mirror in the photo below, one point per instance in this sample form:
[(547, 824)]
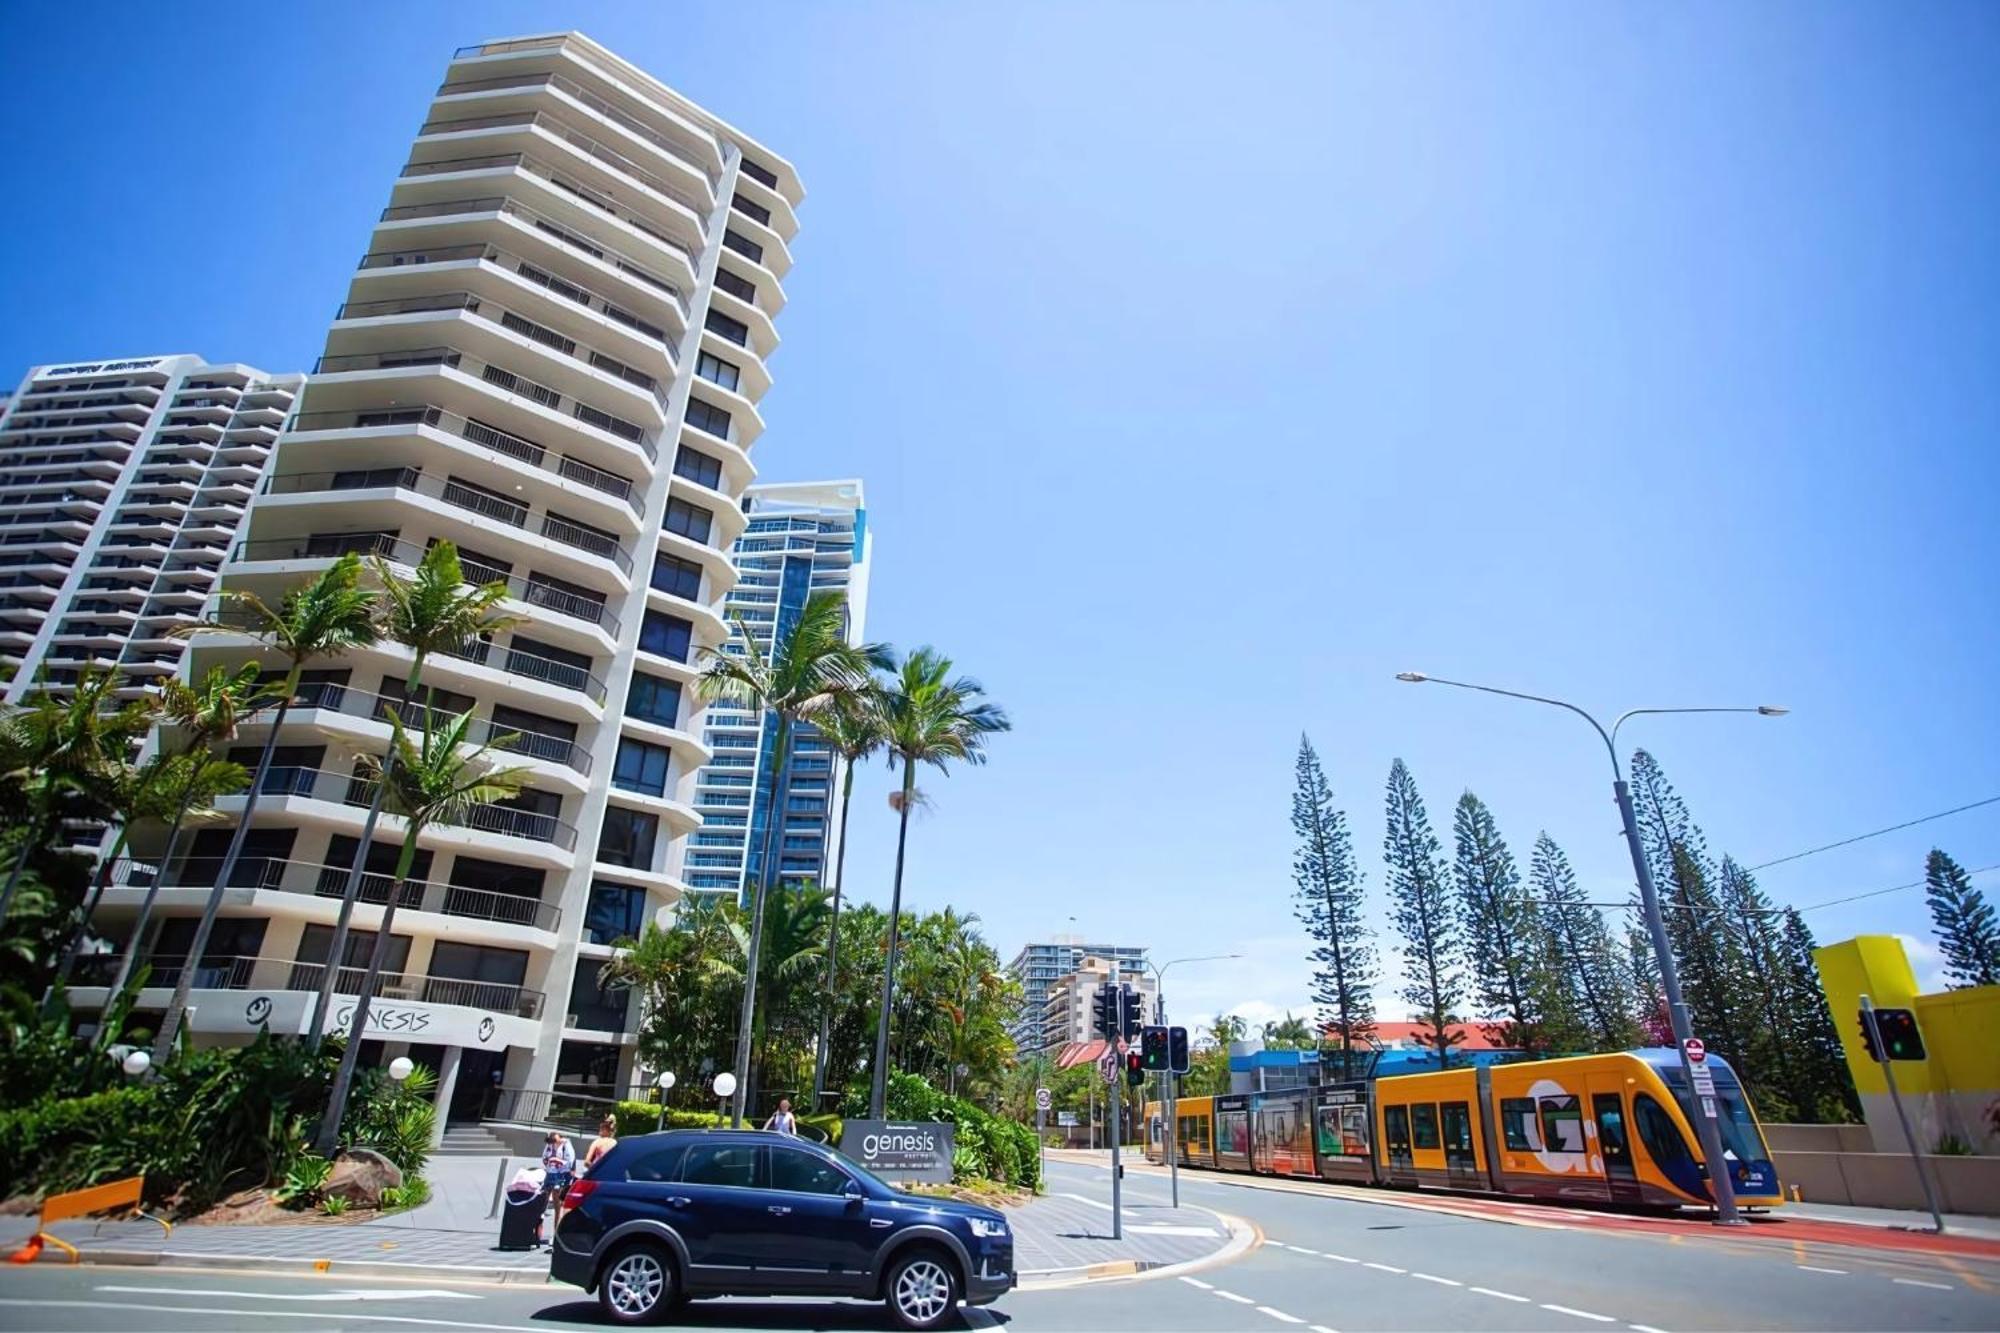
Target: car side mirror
[(852, 1193)]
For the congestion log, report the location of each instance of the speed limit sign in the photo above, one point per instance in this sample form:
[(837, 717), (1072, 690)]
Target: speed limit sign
[(1042, 1099)]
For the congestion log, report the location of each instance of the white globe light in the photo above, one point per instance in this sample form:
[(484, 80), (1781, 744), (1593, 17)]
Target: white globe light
[(665, 1080), (136, 1063), (725, 1084), (401, 1067)]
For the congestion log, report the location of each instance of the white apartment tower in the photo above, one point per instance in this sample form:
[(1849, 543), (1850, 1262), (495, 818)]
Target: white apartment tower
[(122, 485), (803, 538), (551, 355)]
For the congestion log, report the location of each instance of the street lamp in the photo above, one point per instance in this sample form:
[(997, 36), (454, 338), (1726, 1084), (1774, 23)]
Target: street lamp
[(725, 1088), (1171, 1135), (665, 1083), (1670, 979), (135, 1062), (401, 1068)]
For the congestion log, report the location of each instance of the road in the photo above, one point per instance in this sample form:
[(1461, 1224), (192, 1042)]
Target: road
[(1346, 1264)]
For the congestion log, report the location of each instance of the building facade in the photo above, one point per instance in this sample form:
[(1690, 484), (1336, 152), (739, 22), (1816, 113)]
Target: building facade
[(551, 355), (803, 538), (1042, 970), (123, 483)]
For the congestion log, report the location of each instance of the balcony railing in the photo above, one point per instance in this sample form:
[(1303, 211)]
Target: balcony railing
[(527, 82), (492, 312), (483, 731), (520, 267), (505, 382), (334, 786), (583, 143), (240, 973), (332, 545), (330, 881), (460, 496), (491, 437)]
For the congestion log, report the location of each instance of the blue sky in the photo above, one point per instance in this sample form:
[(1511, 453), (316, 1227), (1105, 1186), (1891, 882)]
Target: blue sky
[(1208, 366)]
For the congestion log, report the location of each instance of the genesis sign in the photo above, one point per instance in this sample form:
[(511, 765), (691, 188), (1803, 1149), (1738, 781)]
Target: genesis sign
[(901, 1149)]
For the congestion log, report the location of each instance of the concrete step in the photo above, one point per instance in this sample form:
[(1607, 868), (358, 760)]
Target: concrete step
[(471, 1141)]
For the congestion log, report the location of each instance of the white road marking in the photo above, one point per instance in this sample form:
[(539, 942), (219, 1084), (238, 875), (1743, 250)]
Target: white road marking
[(1170, 1229), (1580, 1314), (1280, 1315), (1300, 1249), (1503, 1295), (368, 1294), (1387, 1268), (1810, 1268), (1321, 1328), (347, 1316), (1912, 1282), (1232, 1296), (1337, 1258), (1441, 1281), (1642, 1328), (1197, 1282), (1083, 1198)]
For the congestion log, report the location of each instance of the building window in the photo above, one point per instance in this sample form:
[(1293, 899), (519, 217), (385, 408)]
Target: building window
[(666, 636), (741, 288), (654, 700), (677, 577), (641, 767), (698, 467), (751, 209), (628, 837), (717, 371), (615, 912), (744, 246), (757, 171), (690, 521), (594, 1005), (707, 416)]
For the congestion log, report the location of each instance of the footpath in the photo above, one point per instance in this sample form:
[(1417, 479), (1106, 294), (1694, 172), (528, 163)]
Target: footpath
[(1058, 1239)]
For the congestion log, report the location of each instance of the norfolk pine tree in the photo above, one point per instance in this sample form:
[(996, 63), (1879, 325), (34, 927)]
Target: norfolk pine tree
[(1502, 926), (1827, 1086), (1328, 902), (1423, 908), (1967, 931), (1766, 989), (1599, 983)]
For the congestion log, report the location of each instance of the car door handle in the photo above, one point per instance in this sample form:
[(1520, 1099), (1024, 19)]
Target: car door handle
[(778, 1208), (679, 1201), (879, 1222)]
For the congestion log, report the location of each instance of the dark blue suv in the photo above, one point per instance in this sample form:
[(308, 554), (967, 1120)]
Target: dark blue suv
[(663, 1217)]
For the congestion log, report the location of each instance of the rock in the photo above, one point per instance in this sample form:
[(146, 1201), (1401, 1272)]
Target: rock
[(360, 1175)]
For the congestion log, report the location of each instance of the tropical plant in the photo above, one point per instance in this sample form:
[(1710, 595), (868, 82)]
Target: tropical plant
[(1225, 1028), (1327, 898), (1290, 1034), (810, 668), (852, 729), (434, 611), (431, 782), (333, 1205), (304, 1181), (325, 617), (928, 717)]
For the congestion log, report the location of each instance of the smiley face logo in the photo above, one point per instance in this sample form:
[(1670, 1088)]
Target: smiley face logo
[(258, 1010), (486, 1029)]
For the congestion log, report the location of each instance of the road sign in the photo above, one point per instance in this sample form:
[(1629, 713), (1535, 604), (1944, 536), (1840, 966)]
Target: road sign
[(1066, 1119), (1042, 1099), (1696, 1049), (1107, 1065), (1704, 1081)]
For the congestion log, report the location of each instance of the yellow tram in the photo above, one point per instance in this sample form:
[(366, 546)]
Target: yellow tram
[(1593, 1128)]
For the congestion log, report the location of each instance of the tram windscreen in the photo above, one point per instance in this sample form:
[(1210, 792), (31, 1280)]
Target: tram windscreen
[(1740, 1135)]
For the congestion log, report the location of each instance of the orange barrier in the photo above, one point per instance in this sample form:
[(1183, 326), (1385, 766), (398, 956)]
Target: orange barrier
[(82, 1203)]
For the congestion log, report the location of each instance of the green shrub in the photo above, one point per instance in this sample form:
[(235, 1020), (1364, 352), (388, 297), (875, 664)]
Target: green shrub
[(985, 1146), (638, 1117), (307, 1177), (333, 1206)]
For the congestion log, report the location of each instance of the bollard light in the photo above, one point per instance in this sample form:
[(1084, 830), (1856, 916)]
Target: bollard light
[(401, 1067), (136, 1063), (725, 1084), (665, 1081)]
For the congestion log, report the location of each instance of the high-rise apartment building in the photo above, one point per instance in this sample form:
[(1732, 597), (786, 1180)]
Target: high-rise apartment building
[(122, 485), (803, 538), (1066, 1013), (1040, 967), (551, 355)]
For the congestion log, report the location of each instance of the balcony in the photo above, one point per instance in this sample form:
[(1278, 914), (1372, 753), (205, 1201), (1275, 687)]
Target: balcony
[(483, 503), (601, 155), (330, 881), (337, 788), (530, 83), (214, 973), (507, 262), (483, 731)]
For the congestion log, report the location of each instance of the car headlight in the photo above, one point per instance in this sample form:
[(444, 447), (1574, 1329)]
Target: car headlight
[(991, 1228)]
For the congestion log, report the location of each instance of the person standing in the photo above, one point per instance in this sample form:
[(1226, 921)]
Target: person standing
[(606, 1140), (559, 1170), (782, 1120)]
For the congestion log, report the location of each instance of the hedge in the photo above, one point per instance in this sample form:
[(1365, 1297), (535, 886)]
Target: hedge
[(984, 1145), (645, 1117)]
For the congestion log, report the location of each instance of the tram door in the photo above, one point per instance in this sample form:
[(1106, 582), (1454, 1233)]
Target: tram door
[(1616, 1146), (1396, 1136), (1460, 1163)]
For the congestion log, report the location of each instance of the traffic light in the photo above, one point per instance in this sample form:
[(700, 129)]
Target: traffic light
[(1135, 1068), (1134, 1014), (1104, 1018), (1153, 1047), (1177, 1050), (1900, 1038)]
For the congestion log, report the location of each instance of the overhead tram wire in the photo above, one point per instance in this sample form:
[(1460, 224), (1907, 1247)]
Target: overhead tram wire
[(1863, 837)]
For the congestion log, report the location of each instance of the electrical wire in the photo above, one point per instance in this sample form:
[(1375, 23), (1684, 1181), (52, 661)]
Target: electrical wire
[(1863, 837)]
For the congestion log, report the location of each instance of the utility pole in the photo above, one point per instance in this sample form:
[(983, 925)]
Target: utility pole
[(1117, 1101)]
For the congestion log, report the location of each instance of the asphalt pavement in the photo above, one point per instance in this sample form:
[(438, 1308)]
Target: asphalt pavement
[(1326, 1263)]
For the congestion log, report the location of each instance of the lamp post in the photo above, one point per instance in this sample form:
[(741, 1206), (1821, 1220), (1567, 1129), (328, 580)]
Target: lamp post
[(665, 1083), (401, 1068), (1670, 979), (1171, 1135), (725, 1088)]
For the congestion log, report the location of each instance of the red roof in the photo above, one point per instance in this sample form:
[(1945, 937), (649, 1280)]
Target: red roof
[(1474, 1036), (1075, 1053)]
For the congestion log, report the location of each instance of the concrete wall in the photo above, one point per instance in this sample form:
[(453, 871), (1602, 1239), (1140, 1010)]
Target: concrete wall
[(1888, 1180), (1819, 1138)]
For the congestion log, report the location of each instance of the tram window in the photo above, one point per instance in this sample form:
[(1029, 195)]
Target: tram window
[(1343, 1131), (1517, 1125), (1658, 1132), (1562, 1124), (1424, 1126), (1458, 1125), (1396, 1127)]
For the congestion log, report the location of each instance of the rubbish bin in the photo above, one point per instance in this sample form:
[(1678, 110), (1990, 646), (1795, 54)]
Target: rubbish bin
[(521, 1212)]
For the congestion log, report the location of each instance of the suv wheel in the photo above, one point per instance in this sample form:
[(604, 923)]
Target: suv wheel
[(922, 1289), (637, 1284)]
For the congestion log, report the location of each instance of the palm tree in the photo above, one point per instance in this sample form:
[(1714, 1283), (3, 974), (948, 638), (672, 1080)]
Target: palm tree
[(321, 618), (433, 612), (1293, 1034), (853, 729), (811, 668), (794, 926), (207, 712), (429, 783), (1225, 1028), (927, 718), (66, 747)]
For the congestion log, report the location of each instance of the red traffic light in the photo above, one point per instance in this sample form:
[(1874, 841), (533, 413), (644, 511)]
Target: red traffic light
[(1135, 1068)]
